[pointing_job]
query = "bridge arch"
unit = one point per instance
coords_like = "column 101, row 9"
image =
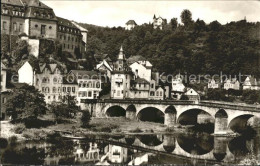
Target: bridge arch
column 170, row 116
column 190, row 116
column 151, row 114
column 239, row 124
column 115, row 111
column 130, row 112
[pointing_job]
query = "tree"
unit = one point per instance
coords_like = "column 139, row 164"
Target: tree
column 67, row 108
column 85, row 118
column 186, row 17
column 26, row 103
column 174, row 24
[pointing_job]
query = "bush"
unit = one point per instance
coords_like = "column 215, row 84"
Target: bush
column 137, row 130
column 107, row 128
column 19, row 129
column 3, row 143
column 85, row 118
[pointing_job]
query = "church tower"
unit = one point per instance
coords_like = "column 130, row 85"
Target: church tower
column 120, row 78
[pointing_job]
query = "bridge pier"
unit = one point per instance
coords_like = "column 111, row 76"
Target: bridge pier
column 221, row 123
column 130, row 115
column 170, row 119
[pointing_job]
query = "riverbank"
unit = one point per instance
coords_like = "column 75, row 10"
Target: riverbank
column 97, row 126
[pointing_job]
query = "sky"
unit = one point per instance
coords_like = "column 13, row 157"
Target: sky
column 117, row 13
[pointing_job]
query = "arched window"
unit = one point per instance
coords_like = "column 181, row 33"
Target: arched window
column 55, row 80
column 59, row 89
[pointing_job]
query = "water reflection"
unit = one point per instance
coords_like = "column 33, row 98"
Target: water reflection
column 196, row 145
column 141, row 149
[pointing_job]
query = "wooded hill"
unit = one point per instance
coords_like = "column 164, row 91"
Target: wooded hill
column 193, row 47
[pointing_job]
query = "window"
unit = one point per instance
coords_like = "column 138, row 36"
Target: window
column 54, row 97
column 64, row 89
column 69, row 38
column 68, row 46
column 122, row 92
column 3, row 100
column 157, row 93
column 69, row 89
column 161, row 93
column 55, row 80
column 4, row 25
column 89, row 94
column 98, row 85
column 43, row 29
column 151, row 93
column 64, row 37
column 152, row 85
column 43, row 89
column 15, row 27
column 59, row 90
column 73, row 89
column 36, row 26
column 50, row 27
column 21, row 28
column 54, row 90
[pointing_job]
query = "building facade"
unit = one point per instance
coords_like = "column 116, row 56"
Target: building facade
column 250, row 83
column 69, row 36
column 232, row 84
column 129, row 25
column 120, row 78
column 89, row 84
column 159, row 22
column 142, row 69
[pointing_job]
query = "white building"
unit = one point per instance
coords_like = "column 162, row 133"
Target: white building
column 142, row 69
column 178, row 88
column 140, row 89
column 214, row 84
column 120, row 78
column 105, row 68
column 231, row 84
column 84, row 33
column 129, row 25
column 159, row 22
column 192, row 94
column 89, row 84
column 250, row 83
column 26, row 73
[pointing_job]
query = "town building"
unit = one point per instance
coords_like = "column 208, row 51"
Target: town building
column 69, row 36
column 12, row 17
column 178, row 88
column 231, row 84
column 84, row 33
column 140, row 88
column 214, row 84
column 251, row 83
column 3, row 77
column 120, row 78
column 89, row 84
column 192, row 94
column 49, row 80
column 105, row 69
column 40, row 20
column 26, row 73
column 159, row 22
column 142, row 69
column 116, row 154
column 129, row 25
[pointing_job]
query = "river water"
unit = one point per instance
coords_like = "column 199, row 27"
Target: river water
column 181, row 149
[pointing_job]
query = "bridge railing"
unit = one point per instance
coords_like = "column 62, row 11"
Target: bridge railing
column 235, row 106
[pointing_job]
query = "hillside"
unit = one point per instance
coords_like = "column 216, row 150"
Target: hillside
column 198, row 48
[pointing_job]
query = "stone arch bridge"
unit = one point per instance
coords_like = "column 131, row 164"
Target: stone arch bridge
column 226, row 116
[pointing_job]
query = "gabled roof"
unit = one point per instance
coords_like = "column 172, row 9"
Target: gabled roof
column 141, row 81
column 131, row 22
column 12, row 2
column 35, row 3
column 135, row 58
column 66, row 22
column 80, row 27
column 105, row 64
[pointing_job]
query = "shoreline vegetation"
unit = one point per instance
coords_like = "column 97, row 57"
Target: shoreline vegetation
column 115, row 126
